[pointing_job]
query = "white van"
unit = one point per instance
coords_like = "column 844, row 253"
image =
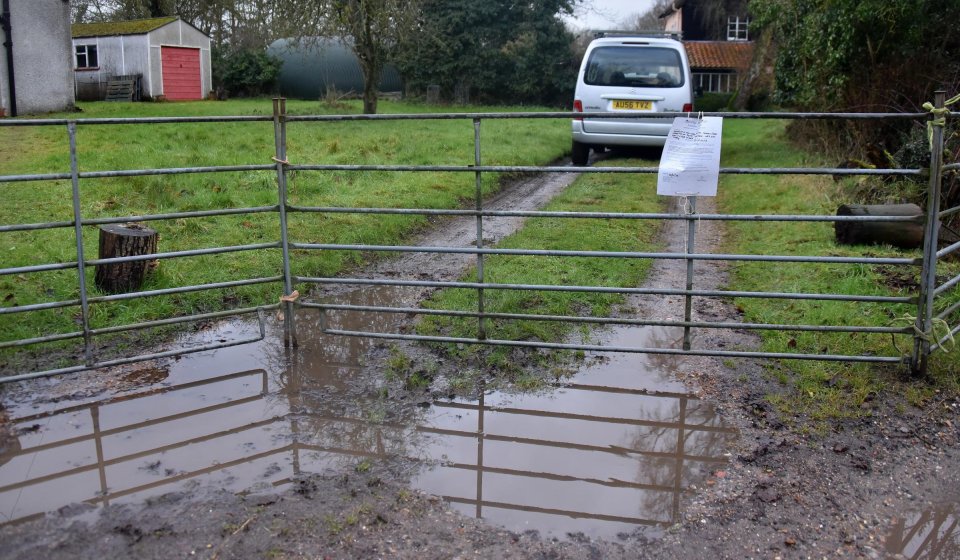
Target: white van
column 629, row 75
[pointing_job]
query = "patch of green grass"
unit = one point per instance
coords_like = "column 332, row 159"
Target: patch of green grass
column 414, row 375
column 105, row 147
column 398, row 364
column 333, row 525
column 418, row 380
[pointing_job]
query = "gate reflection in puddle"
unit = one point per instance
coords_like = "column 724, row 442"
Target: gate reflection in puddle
column 585, row 459
column 927, row 535
column 589, row 457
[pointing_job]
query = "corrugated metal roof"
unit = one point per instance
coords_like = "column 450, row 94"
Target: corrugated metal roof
column 130, row 27
column 733, row 55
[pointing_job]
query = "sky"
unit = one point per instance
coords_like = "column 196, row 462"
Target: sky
column 607, row 14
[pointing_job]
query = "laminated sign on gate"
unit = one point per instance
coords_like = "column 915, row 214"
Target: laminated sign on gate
column 690, row 165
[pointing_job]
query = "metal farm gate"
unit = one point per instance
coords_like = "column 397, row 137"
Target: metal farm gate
column 927, row 339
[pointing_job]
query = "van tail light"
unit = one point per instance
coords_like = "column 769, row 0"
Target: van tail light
column 578, row 108
column 687, row 107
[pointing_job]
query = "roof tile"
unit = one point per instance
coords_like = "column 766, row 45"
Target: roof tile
column 731, row 55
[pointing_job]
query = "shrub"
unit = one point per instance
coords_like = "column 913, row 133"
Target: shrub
column 245, row 72
column 710, row 102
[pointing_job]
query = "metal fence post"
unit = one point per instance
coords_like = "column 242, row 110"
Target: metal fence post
column 78, row 235
column 928, row 277
column 481, row 321
column 691, row 243
column 280, row 142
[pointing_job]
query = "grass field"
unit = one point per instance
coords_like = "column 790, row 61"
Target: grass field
column 108, row 147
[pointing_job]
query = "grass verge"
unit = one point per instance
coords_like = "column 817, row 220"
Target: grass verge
column 820, row 391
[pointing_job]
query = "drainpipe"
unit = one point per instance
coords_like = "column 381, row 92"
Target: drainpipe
column 8, row 43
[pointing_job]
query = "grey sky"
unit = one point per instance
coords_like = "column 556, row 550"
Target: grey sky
column 607, row 14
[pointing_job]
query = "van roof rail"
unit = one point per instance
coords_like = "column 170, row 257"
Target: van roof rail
column 642, row 33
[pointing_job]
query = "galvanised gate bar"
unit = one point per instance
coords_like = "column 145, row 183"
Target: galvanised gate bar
column 931, row 330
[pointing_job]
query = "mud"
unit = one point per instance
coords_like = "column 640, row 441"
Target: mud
column 259, row 451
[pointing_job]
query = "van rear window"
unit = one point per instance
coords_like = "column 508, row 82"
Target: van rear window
column 634, row 67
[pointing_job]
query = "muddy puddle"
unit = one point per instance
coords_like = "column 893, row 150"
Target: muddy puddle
column 932, row 533
column 610, row 451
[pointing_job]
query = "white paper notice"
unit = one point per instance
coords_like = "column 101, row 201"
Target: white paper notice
column 690, row 165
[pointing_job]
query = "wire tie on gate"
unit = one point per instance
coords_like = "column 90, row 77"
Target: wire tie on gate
column 939, row 116
column 282, row 161
column 290, row 298
column 949, row 335
column 686, row 207
column 927, row 336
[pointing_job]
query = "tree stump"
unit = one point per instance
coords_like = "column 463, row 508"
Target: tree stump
column 124, row 240
column 906, row 235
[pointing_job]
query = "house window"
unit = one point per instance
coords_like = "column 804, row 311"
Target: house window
column 87, row 57
column 738, row 28
column 715, row 82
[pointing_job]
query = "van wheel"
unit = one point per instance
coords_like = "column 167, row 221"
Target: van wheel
column 580, row 153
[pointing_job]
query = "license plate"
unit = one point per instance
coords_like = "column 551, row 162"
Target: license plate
column 625, row 105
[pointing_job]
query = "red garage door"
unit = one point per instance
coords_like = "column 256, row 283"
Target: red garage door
column 181, row 73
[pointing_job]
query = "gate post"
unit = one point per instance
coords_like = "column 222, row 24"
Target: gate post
column 78, row 235
column 481, row 322
column 280, row 143
column 691, row 212
column 923, row 331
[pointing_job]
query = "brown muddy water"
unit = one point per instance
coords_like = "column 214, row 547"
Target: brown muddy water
column 611, row 450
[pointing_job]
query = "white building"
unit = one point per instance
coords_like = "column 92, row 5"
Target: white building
column 171, row 57
column 35, row 69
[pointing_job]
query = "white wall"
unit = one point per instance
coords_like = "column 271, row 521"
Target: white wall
column 43, row 57
column 674, row 21
column 117, row 56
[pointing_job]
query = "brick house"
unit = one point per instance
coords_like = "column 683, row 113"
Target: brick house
column 716, row 35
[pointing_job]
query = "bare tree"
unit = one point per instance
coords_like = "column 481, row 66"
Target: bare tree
column 118, row 10
column 377, row 27
column 373, row 28
column 648, row 20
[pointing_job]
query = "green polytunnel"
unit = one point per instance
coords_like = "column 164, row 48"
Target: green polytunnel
column 314, row 65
